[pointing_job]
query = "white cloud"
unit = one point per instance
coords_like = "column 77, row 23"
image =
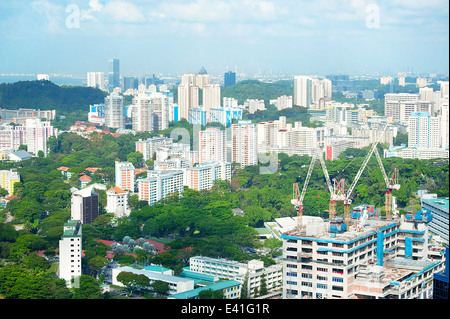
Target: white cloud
column 122, row 11
column 54, row 14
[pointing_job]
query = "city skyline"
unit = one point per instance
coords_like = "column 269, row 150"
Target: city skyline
column 303, row 37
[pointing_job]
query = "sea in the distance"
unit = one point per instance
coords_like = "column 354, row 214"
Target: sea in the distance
column 58, row 80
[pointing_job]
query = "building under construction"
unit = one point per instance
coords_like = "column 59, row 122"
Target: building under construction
column 360, row 255
column 365, row 258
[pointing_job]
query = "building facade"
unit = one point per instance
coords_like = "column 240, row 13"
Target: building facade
column 70, row 252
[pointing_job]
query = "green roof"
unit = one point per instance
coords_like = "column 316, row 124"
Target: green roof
column 217, row 286
column 156, row 268
column 197, row 276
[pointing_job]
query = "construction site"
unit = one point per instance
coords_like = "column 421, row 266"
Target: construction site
column 360, row 255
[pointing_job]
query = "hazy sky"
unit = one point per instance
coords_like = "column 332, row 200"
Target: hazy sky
column 180, row 36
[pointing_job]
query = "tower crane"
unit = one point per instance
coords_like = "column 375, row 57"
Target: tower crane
column 391, row 184
column 348, row 200
column 297, row 201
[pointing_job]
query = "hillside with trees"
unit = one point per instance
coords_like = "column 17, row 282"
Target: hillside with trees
column 46, row 95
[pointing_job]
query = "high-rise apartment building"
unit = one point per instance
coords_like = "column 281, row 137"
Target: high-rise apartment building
column 142, row 119
column 423, row 131
column 202, row 176
column 244, row 148
column 302, row 91
column 150, row 112
column 212, row 145
column 187, row 99
column 124, row 175
column 114, row 111
column 84, row 205
column 211, row 98
column 113, row 74
column 96, row 80
column 70, row 252
column 310, row 90
column 159, row 184
column 148, row 147
column 444, row 122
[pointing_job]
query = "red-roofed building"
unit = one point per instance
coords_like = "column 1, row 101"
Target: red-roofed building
column 84, row 180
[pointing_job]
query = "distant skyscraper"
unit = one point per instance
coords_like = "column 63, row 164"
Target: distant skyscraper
column 211, row 98
column 130, row 82
column 229, row 79
column 113, row 74
column 114, row 111
column 302, row 91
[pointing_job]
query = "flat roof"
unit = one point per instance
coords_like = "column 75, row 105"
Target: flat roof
column 152, row 275
column 217, row 286
column 440, row 201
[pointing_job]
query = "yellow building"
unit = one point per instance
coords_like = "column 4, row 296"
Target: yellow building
column 8, row 178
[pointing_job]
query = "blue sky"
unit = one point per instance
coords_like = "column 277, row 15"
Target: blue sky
column 180, row 36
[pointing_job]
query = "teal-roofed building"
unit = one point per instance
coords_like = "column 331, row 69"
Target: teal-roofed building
column 231, row 290
column 439, row 209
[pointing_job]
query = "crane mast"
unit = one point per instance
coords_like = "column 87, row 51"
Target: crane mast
column 297, row 201
column 348, row 200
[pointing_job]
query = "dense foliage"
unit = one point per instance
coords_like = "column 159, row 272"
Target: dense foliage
column 46, row 95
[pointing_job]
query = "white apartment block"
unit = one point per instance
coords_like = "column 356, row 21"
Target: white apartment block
column 282, row 102
column 70, row 252
column 310, row 90
column 384, row 80
column 114, row 111
column 160, row 184
column 253, row 105
column 421, row 81
column 234, row 270
column 229, row 102
column 149, row 146
column 142, row 119
column 96, row 80
column 444, row 89
column 187, row 99
column 211, row 98
column 419, row 153
column 444, row 122
column 244, row 147
column 302, row 91
column 322, row 262
column 176, row 150
column 124, row 178
column 212, row 145
column 117, row 202
column 423, row 131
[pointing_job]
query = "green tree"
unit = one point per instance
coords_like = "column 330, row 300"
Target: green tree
column 86, row 287
column 133, row 281
column 160, row 287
